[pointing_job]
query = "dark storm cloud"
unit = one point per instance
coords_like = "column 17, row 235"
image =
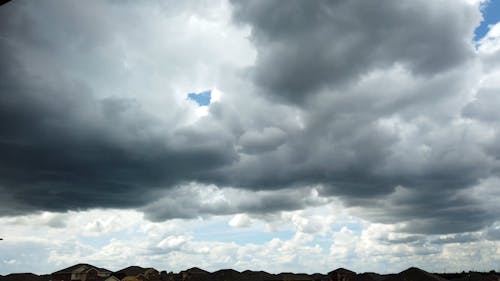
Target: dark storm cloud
column 305, row 45
column 255, row 142
column 63, row 148
column 428, row 211
column 370, row 91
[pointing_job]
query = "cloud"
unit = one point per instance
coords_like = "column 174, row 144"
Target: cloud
column 66, row 141
column 198, row 201
column 178, row 244
column 173, row 242
column 305, row 46
column 457, row 238
column 493, row 232
column 240, row 220
column 254, row 142
column 386, row 107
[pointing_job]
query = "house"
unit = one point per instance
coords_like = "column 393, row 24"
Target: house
column 22, row 277
column 139, row 277
column 287, row 276
column 137, row 273
column 170, row 276
column 342, row 274
column 112, row 278
column 478, row 276
column 413, row 273
column 195, row 274
column 152, row 274
column 369, row 276
column 225, row 275
column 319, row 277
column 81, row 272
column 249, row 275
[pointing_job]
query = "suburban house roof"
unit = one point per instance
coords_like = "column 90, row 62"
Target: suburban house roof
column 342, row 271
column 133, row 271
column 196, row 270
column 81, row 267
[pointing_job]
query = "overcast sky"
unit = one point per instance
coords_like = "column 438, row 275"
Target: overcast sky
column 270, row 135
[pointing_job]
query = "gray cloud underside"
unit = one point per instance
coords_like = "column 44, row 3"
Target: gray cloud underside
column 305, row 46
column 197, row 201
column 361, row 99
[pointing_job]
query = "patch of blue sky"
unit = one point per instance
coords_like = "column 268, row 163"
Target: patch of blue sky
column 17, row 257
column 242, row 236
column 222, row 232
column 325, row 242
column 491, row 15
column 351, row 226
column 202, row 98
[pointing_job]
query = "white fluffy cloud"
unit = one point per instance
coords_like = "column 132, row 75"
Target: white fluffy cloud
column 309, row 243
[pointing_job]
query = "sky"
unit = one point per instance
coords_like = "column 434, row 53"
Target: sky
column 268, row 135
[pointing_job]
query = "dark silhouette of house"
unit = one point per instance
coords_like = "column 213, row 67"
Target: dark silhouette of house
column 249, row 275
column 81, row 272
column 132, row 273
column 342, row 274
column 87, row 272
column 195, row 274
column 477, row 276
column 319, row 277
column 288, row 276
column 413, row 273
column 170, row 276
column 225, row 275
column 369, row 276
column 24, row 277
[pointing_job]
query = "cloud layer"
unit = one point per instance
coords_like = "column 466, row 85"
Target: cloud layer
column 311, row 240
column 303, row 47
column 389, row 108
